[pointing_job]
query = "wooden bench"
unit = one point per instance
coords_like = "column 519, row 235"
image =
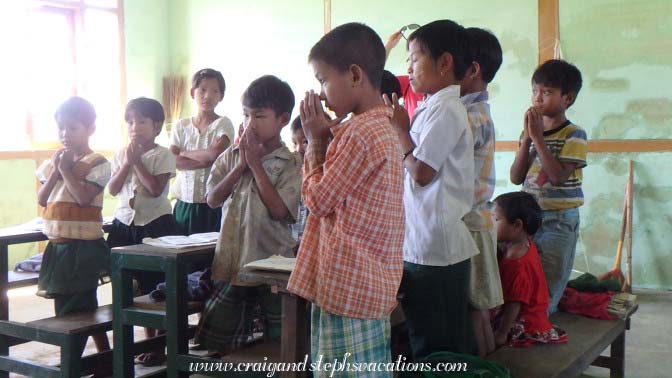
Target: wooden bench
column 70, row 333
column 588, row 338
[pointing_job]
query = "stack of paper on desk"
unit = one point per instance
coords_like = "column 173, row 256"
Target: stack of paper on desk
column 181, row 241
column 622, row 305
column 274, row 263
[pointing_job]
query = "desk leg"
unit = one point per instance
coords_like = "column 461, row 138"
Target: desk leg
column 617, row 355
column 122, row 296
column 295, row 337
column 177, row 341
column 4, row 301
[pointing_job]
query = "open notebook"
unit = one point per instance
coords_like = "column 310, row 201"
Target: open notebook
column 274, row 263
column 181, row 241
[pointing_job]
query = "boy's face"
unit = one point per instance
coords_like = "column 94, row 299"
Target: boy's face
column 141, row 129
column 72, row 133
column 264, row 123
column 299, row 141
column 207, row 94
column 550, row 100
column 423, row 72
column 335, row 87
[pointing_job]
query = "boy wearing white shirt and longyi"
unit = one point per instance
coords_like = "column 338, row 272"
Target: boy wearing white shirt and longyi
column 438, row 191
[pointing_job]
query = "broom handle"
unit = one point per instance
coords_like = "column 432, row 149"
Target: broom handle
column 628, row 260
column 619, row 249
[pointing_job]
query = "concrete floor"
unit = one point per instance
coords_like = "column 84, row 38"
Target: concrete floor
column 648, row 343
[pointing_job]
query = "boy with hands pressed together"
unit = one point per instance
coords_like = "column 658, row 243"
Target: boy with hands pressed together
column 549, row 162
column 349, row 262
column 258, row 184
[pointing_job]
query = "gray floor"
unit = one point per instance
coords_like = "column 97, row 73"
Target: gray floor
column 648, row 349
column 648, row 344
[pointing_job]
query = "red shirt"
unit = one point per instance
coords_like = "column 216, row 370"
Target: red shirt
column 523, row 281
column 411, row 98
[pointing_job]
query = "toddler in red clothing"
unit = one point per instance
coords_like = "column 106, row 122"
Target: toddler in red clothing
column 523, row 319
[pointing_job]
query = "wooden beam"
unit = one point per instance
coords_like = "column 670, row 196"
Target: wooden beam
column 608, row 145
column 327, row 16
column 122, row 58
column 549, row 28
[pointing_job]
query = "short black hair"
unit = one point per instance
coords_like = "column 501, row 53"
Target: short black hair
column 269, row 92
column 390, row 84
column 146, row 107
column 78, row 109
column 210, row 74
column 484, row 48
column 296, row 124
column 523, row 206
column 444, row 36
column 558, row 73
column 352, row 43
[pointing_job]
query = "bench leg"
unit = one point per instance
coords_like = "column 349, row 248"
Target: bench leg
column 71, row 356
column 4, row 301
column 617, row 356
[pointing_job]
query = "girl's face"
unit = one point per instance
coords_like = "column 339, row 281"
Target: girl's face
column 72, row 133
column 207, row 95
column 141, row 129
column 424, row 73
column 300, row 142
column 506, row 231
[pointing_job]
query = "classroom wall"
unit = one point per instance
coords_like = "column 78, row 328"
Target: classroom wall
column 622, row 48
column 627, row 73
column 245, row 40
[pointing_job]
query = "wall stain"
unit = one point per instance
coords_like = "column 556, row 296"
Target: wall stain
column 610, row 85
column 616, row 165
column 523, row 49
column 613, row 126
column 660, row 194
column 652, row 114
column 654, row 111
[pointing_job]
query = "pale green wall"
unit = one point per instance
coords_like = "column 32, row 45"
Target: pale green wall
column 148, row 58
column 245, row 40
column 18, row 201
column 623, row 50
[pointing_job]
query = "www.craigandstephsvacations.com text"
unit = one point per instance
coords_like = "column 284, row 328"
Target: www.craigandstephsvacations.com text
column 330, row 367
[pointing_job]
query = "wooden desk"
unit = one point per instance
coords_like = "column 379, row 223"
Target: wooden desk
column 176, row 264
column 295, row 337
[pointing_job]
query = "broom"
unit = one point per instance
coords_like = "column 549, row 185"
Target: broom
column 626, row 223
column 173, row 96
column 627, row 286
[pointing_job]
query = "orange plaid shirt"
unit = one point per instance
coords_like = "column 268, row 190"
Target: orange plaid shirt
column 350, row 259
